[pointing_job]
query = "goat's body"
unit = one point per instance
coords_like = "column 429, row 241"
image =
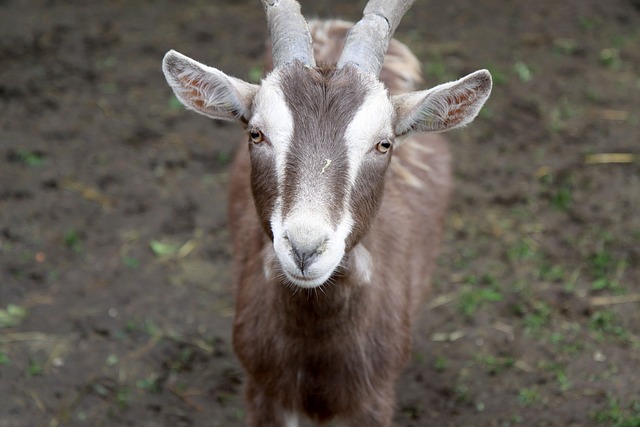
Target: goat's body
column 337, row 350
column 336, row 211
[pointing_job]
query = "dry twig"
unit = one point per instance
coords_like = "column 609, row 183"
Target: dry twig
column 614, row 299
column 603, row 158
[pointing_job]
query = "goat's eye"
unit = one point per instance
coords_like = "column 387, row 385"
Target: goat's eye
column 383, row 146
column 256, row 136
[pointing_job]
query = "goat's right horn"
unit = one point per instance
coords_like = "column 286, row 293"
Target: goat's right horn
column 369, row 38
column 290, row 34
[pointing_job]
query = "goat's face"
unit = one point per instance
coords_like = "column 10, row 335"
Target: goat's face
column 320, row 143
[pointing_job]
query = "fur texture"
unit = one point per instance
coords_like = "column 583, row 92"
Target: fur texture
column 336, row 211
column 335, row 352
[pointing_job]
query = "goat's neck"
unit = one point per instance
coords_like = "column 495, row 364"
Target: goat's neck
column 334, row 306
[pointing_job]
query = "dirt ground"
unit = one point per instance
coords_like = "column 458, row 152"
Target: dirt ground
column 115, row 296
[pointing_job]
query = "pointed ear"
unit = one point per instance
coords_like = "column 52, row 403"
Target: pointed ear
column 207, row 90
column 443, row 107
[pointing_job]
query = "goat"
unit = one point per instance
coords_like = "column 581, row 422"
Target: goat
column 336, row 208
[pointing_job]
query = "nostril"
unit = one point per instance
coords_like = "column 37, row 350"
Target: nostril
column 305, row 252
column 304, row 259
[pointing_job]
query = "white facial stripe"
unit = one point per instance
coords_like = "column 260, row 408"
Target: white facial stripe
column 371, row 123
column 272, row 116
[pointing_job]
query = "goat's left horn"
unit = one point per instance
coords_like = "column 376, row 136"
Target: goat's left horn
column 290, row 34
column 369, row 38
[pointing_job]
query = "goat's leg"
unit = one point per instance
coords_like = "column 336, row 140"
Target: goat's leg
column 264, row 411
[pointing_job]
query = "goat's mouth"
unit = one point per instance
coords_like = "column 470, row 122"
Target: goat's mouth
column 312, row 273
column 308, row 248
column 307, row 280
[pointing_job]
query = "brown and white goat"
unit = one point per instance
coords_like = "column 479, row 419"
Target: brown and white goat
column 336, row 208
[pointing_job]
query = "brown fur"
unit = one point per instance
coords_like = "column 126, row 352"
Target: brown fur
column 336, row 352
column 322, row 102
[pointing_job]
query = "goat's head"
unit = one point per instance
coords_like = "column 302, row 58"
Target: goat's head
column 321, row 139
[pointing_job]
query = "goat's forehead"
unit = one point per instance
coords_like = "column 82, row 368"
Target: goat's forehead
column 319, row 100
column 270, row 110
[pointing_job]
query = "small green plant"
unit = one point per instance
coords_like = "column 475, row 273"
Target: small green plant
column 107, row 62
column 561, row 113
column 4, row 359
column 565, row 46
column 604, row 322
column 11, row 316
column 563, row 197
column 240, row 415
column 461, row 394
column 522, row 70
column 72, row 240
column 34, row 368
column 440, row 364
column 100, row 389
column 223, row 157
column 529, row 396
column 560, row 189
column 131, row 327
column 610, row 57
column 122, row 398
column 255, row 74
column 150, row 383
column 612, row 413
column 109, row 88
column 560, row 374
column 419, row 357
column 111, row 360
column 472, row 299
column 174, row 103
column 495, row 365
column 436, row 67
column 593, row 95
column 463, row 257
column 631, row 417
column 162, row 249
column 517, row 419
column 563, row 380
column 538, row 318
column 524, row 249
column 632, row 421
column 182, row 360
column 588, row 23
column 130, row 261
column 30, row 158
column 551, row 273
column 151, row 328
column 604, row 267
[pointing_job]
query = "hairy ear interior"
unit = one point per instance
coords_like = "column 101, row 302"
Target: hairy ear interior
column 443, row 107
column 207, row 90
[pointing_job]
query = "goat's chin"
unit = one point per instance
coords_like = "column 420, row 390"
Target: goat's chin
column 307, row 281
column 316, row 275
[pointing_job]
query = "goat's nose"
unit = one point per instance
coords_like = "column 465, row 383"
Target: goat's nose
column 305, row 250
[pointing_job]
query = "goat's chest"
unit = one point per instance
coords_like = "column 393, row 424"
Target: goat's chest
column 322, row 361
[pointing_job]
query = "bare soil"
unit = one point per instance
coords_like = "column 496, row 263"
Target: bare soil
column 115, row 295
